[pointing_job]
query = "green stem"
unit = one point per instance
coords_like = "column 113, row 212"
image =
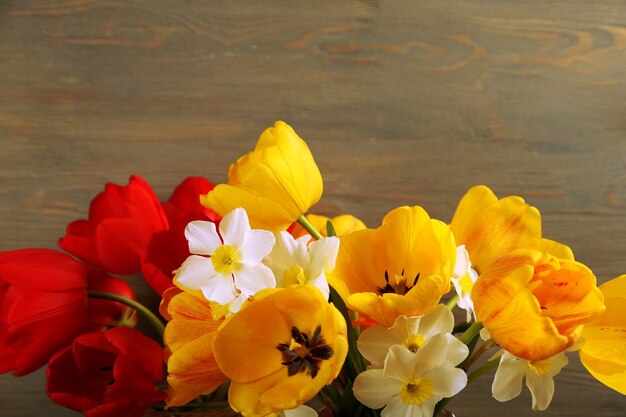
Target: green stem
column 471, row 333
column 472, row 376
column 452, row 302
column 156, row 323
column 309, row 227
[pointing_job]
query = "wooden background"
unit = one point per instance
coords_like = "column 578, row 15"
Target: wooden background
column 402, row 102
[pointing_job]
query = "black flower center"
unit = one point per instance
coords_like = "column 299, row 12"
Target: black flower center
column 399, row 286
column 304, row 353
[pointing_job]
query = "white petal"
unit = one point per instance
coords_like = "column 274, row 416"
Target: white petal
column 373, row 389
column 542, row 389
column 456, row 350
column 559, row 361
column 195, row 272
column 404, row 327
column 321, row 283
column 431, row 355
column 323, row 253
column 438, row 321
column 374, row 344
column 256, row 246
column 463, row 264
column 400, row 363
column 507, row 383
column 448, row 380
column 219, row 289
column 202, row 237
column 301, row 411
column 397, row 408
column 235, row 305
column 288, row 252
column 234, row 227
column 252, row 279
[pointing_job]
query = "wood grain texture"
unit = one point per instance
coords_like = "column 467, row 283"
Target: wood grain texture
column 402, row 102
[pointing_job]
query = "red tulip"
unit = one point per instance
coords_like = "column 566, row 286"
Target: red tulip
column 186, row 199
column 43, row 306
column 107, row 374
column 168, row 248
column 103, row 313
column 121, row 221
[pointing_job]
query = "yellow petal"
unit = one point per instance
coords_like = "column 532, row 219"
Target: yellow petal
column 556, row 249
column 192, row 369
column 604, row 350
column 533, row 305
column 276, row 182
column 247, row 349
column 491, row 228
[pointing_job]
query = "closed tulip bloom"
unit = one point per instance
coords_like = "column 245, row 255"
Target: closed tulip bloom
column 604, row 350
column 107, row 374
column 275, row 183
column 121, row 221
column 43, row 306
column 185, row 199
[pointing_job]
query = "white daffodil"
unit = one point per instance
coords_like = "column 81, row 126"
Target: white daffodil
column 226, row 267
column 295, row 263
column 463, row 279
column 411, row 384
column 300, row 411
column 412, row 333
column 507, row 383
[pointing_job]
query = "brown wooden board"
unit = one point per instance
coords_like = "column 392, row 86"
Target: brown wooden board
column 401, row 101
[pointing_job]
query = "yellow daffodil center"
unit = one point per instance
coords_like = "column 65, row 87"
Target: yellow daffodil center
column 466, row 284
column 540, row 367
column 417, row 391
column 413, row 342
column 294, row 276
column 225, row 259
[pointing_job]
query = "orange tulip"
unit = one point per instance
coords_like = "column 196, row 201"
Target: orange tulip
column 535, row 305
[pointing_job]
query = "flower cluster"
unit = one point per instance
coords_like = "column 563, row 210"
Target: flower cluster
column 268, row 306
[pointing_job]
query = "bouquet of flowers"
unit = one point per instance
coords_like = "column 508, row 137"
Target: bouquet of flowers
column 272, row 308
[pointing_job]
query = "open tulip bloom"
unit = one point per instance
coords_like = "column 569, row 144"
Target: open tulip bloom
column 275, row 311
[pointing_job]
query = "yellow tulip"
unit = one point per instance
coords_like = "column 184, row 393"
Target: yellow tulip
column 191, row 366
column 280, row 349
column 604, row 349
column 491, row 228
column 343, row 224
column 535, row 305
column 401, row 268
column 275, row 183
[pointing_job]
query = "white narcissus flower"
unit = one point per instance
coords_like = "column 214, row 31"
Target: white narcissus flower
column 507, row 383
column 463, row 279
column 300, row 411
column 412, row 333
column 411, row 384
column 295, row 263
column 226, row 267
